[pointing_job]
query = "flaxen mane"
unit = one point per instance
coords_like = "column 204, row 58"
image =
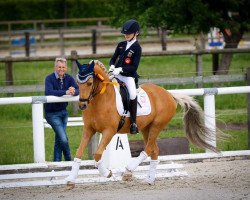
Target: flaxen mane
column 101, row 65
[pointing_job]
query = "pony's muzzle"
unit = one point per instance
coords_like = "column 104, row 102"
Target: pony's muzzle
column 83, row 105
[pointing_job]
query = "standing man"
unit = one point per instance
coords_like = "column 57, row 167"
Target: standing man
column 58, row 84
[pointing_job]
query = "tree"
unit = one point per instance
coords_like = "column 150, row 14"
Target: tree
column 232, row 17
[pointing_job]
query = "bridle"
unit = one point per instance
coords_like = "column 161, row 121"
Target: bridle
column 93, row 92
column 97, row 78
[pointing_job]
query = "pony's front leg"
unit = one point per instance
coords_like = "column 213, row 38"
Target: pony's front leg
column 106, row 137
column 71, row 179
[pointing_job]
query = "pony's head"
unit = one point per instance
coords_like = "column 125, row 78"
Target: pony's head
column 89, row 77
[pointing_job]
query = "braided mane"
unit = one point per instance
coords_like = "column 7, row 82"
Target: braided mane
column 102, row 66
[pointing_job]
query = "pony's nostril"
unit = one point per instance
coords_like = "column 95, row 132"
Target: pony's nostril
column 82, row 106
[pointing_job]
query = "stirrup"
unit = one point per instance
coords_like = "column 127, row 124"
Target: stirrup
column 133, row 128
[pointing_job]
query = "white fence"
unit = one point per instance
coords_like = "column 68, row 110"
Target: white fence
column 38, row 101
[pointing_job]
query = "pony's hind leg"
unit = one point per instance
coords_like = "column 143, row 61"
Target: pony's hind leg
column 128, row 174
column 152, row 150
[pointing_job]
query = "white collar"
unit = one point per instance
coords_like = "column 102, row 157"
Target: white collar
column 129, row 43
column 57, row 76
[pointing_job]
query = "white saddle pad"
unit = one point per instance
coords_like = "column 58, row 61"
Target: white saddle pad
column 143, row 103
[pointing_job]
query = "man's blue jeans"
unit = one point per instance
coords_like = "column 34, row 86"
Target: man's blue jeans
column 58, row 121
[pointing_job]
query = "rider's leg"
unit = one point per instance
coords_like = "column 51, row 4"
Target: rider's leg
column 133, row 111
column 133, row 104
column 130, row 83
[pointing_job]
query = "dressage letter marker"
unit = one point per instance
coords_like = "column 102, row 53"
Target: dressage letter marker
column 117, row 154
column 119, row 143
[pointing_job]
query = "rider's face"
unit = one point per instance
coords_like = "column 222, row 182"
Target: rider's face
column 129, row 37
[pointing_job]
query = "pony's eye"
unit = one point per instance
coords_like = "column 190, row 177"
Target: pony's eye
column 89, row 83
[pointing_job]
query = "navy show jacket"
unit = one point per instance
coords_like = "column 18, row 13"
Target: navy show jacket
column 128, row 59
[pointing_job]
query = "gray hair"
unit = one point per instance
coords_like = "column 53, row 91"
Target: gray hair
column 61, row 60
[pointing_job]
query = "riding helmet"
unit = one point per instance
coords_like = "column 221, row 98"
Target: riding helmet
column 130, row 26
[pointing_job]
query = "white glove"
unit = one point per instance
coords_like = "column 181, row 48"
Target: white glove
column 111, row 68
column 117, row 71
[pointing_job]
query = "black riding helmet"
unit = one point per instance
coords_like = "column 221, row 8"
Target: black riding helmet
column 130, row 26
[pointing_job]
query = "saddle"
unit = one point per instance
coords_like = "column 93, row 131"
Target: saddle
column 125, row 101
column 122, row 97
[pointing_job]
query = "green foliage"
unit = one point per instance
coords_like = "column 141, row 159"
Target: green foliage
column 13, row 10
column 185, row 15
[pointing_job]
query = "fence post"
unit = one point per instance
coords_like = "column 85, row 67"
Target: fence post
column 94, row 41
column 42, row 33
column 9, row 38
column 248, row 106
column 27, row 44
column 9, row 76
column 215, row 58
column 61, row 42
column 199, row 68
column 164, row 39
column 74, row 57
column 202, row 40
column 38, row 132
column 209, row 112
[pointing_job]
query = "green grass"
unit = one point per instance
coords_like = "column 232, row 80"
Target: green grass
column 17, row 142
column 16, row 139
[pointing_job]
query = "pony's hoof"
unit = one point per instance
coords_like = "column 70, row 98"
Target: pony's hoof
column 127, row 176
column 148, row 182
column 70, row 185
column 110, row 174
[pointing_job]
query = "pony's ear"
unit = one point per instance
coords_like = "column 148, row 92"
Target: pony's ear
column 80, row 66
column 91, row 65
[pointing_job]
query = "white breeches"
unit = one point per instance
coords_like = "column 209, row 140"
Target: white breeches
column 130, row 83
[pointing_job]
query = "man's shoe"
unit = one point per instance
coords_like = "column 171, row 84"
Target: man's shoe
column 133, row 128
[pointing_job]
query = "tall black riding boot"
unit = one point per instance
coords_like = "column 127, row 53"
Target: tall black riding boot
column 133, row 111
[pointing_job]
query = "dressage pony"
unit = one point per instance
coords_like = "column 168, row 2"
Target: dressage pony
column 97, row 100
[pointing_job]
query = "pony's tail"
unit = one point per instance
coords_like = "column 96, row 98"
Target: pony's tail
column 194, row 124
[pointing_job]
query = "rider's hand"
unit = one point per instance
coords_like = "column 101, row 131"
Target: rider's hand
column 117, row 71
column 111, row 68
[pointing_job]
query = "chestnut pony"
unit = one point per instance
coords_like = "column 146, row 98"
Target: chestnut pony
column 97, row 102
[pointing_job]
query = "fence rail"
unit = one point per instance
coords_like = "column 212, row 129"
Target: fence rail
column 8, row 61
column 43, row 38
column 75, row 56
column 98, row 20
column 158, row 81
